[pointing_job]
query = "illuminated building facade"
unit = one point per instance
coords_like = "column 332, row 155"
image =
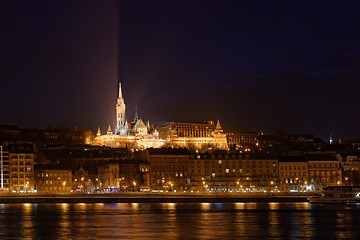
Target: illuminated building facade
column 351, row 168
column 324, row 170
column 133, row 135
column 50, row 179
column 168, row 168
column 5, row 178
column 293, row 174
column 21, row 166
column 108, row 177
column 241, row 140
column 199, row 136
column 222, row 172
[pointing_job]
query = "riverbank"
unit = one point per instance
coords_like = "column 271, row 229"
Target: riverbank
column 149, row 198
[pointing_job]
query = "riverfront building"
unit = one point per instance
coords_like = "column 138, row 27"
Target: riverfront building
column 51, row 179
column 294, row 174
column 5, row 169
column 222, row 172
column 168, row 168
column 109, row 177
column 21, row 167
column 324, row 170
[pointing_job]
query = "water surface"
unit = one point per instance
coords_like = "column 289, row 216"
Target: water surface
column 179, row 221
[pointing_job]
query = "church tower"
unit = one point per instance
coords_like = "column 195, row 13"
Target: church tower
column 120, row 114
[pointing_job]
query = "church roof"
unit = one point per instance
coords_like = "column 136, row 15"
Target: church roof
column 139, row 124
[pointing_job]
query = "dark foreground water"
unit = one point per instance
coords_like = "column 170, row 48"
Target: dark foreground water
column 179, row 221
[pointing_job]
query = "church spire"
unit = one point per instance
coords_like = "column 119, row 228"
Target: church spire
column 136, row 117
column 120, row 114
column 120, row 91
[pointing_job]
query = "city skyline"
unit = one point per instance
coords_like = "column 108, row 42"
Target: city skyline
column 253, row 66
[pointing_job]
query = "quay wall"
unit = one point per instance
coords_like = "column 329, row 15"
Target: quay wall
column 147, row 198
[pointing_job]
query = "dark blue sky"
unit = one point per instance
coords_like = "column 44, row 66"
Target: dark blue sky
column 254, row 65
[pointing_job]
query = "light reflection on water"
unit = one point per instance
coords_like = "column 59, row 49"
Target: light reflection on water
column 27, row 226
column 179, row 221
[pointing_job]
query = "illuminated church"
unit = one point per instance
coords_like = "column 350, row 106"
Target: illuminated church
column 138, row 135
column 133, row 135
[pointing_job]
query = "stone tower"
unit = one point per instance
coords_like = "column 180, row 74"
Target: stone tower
column 120, row 114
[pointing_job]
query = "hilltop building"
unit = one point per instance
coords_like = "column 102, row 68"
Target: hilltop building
column 134, row 135
column 200, row 136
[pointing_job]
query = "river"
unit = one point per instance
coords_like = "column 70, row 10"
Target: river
column 179, row 221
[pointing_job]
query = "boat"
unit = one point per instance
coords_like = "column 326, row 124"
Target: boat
column 337, row 194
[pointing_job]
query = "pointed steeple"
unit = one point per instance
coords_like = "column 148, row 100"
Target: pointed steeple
column 98, row 134
column 109, row 130
column 120, row 91
column 120, row 113
column 136, row 117
column 218, row 128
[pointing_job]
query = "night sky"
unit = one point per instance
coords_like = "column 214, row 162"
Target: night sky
column 293, row 65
